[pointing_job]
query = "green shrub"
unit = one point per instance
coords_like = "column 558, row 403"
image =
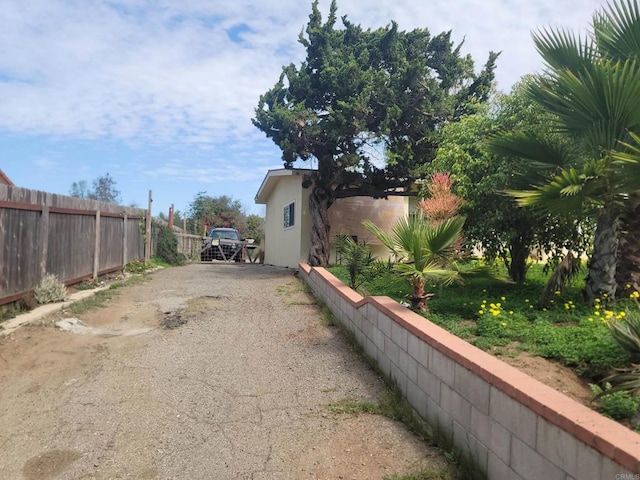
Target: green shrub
column 620, row 405
column 358, row 259
column 50, row 290
column 167, row 246
column 137, row 266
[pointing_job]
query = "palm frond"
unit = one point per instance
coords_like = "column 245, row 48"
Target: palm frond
column 440, row 239
column 617, row 30
column 430, row 272
column 542, row 152
column 598, row 104
column 629, row 162
column 562, row 49
column 381, row 235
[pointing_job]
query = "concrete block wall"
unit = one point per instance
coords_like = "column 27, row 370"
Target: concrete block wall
column 515, row 427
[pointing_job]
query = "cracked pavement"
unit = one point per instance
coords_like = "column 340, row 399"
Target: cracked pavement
column 238, row 391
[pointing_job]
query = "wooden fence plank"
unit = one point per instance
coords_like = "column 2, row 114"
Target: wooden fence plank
column 42, row 232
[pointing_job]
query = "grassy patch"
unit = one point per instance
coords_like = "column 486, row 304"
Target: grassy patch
column 425, row 474
column 498, row 316
column 12, row 310
column 99, row 299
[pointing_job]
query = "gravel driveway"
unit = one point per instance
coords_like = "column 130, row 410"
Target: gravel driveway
column 238, row 388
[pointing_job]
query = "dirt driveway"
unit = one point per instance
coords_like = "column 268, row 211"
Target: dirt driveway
column 239, row 389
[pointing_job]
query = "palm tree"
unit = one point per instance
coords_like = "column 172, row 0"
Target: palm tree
column 425, row 252
column 592, row 88
column 628, row 269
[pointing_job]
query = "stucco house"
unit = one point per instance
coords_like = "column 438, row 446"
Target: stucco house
column 287, row 224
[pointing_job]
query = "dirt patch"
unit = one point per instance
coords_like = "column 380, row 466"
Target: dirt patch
column 552, row 374
column 49, row 465
column 364, row 447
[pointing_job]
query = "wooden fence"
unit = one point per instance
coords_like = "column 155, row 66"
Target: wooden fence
column 190, row 245
column 70, row 237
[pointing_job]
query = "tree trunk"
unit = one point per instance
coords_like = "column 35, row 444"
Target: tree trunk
column 319, row 202
column 519, row 249
column 418, row 299
column 601, row 279
column 628, row 269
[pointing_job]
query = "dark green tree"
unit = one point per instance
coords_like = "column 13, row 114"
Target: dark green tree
column 166, row 244
column 361, row 91
column 495, row 222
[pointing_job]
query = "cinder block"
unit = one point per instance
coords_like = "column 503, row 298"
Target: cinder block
column 473, row 388
column 408, row 365
column 357, row 320
column 478, row 452
column 379, row 338
column 437, row 416
column 530, row 465
column 611, row 469
column 360, row 337
column 442, row 367
column 371, row 349
column 383, row 322
column 399, row 335
column 400, row 378
column 368, row 328
column 429, row 383
column 392, row 351
column 557, row 446
column 500, row 441
column 589, row 462
column 384, row 363
column 418, row 349
column 480, row 426
column 498, row 470
column 417, row 398
column 514, row 416
column 456, row 406
column 461, row 437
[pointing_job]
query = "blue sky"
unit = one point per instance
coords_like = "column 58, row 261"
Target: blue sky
column 160, row 93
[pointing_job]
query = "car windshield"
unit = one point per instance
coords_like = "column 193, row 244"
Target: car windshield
column 225, row 234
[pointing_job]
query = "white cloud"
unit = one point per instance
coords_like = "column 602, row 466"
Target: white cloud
column 167, row 71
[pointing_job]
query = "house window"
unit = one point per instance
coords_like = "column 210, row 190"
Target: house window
column 289, row 215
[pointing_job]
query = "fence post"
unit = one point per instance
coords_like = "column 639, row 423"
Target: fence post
column 184, row 237
column 44, row 235
column 147, row 248
column 96, row 255
column 124, row 240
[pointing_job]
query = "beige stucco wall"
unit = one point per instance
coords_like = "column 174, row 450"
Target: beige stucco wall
column 283, row 246
column 347, row 214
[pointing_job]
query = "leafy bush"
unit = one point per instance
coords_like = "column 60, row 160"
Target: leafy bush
column 167, row 246
column 619, row 405
column 358, row 259
column 137, row 266
column 50, row 290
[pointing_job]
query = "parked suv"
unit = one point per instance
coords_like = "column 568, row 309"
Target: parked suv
column 223, row 244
